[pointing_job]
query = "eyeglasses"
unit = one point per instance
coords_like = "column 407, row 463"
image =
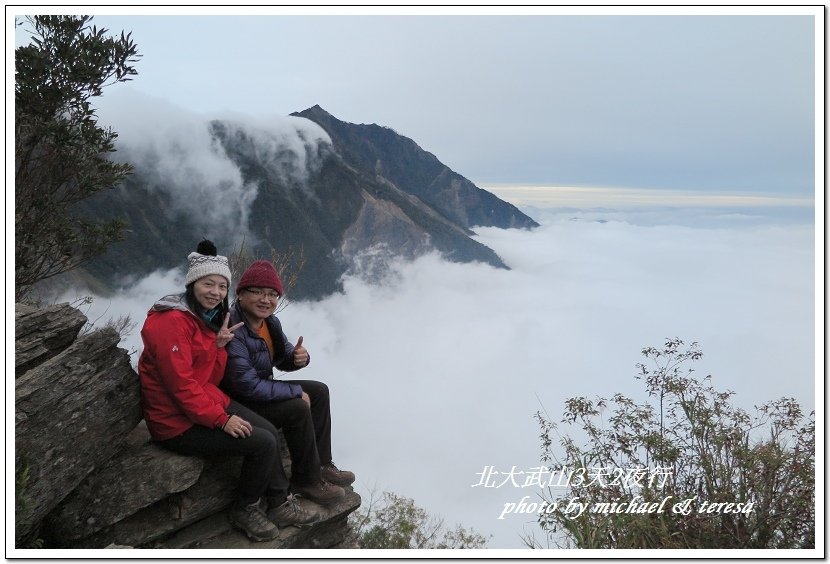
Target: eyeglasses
column 258, row 292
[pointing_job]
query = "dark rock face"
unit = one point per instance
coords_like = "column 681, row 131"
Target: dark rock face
column 120, row 488
column 369, row 187
column 33, row 344
column 72, row 412
column 88, row 475
column 211, row 494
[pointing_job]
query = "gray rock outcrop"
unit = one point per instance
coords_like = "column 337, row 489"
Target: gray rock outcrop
column 40, row 334
column 87, row 474
column 72, row 412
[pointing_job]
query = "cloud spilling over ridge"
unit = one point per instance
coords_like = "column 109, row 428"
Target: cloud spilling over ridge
column 177, row 152
column 437, row 371
column 288, row 147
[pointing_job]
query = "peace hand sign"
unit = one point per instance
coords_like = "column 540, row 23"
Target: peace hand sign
column 225, row 334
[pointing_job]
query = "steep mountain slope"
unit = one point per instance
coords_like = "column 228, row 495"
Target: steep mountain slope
column 327, row 191
column 379, row 150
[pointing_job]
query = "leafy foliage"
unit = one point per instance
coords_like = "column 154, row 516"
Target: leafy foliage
column 701, row 447
column 60, row 151
column 399, row 523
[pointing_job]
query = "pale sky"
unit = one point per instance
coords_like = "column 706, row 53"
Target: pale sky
column 686, row 102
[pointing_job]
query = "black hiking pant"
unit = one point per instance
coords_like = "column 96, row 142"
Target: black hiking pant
column 262, row 472
column 307, row 430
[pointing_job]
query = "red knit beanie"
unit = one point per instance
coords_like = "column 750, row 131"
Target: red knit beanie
column 261, row 274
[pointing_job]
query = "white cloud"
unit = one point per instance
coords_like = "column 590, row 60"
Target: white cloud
column 173, row 149
column 177, row 154
column 436, row 374
column 286, row 146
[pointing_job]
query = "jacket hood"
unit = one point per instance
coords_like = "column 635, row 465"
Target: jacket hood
column 171, row 301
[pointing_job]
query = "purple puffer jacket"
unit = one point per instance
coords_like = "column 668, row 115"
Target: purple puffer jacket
column 249, row 369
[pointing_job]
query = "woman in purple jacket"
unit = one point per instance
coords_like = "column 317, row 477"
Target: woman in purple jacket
column 299, row 407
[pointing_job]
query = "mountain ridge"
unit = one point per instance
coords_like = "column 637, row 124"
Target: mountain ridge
column 325, row 201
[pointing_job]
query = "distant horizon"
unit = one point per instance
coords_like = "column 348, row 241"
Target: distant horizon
column 600, row 196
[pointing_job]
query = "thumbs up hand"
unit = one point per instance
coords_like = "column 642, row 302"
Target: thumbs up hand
column 300, row 354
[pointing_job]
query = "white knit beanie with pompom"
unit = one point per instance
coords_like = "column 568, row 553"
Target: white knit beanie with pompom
column 205, row 262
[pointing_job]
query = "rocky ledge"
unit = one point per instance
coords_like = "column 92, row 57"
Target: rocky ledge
column 87, row 474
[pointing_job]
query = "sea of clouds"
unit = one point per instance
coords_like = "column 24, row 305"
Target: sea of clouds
column 437, row 371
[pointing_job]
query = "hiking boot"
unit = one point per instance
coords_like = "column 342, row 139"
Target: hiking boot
column 333, row 474
column 322, row 492
column 253, row 522
column 290, row 513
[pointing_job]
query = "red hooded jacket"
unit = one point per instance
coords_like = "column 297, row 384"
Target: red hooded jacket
column 180, row 369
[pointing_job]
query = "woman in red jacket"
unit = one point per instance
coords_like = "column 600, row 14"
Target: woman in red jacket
column 180, row 368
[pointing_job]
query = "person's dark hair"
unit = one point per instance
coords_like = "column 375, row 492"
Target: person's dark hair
column 193, row 304
column 206, row 247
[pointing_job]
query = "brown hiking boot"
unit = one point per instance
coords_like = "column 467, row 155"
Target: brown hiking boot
column 333, row 474
column 322, row 492
column 253, row 522
column 290, row 513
